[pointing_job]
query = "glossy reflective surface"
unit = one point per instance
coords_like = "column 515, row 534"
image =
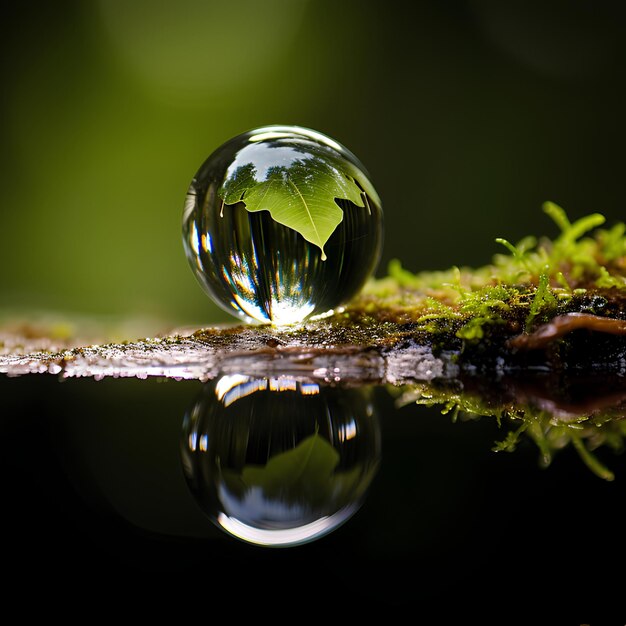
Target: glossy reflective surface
column 258, row 268
column 279, row 462
column 99, row 479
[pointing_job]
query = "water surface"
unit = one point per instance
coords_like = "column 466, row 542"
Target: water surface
column 97, row 476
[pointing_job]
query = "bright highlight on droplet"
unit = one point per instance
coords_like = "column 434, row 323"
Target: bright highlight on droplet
column 284, row 537
column 282, row 224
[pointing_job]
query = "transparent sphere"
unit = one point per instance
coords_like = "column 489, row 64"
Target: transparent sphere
column 281, row 224
column 277, row 462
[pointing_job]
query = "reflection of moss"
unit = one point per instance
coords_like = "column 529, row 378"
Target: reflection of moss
column 551, row 423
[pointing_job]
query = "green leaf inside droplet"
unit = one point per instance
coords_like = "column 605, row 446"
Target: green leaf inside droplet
column 300, row 195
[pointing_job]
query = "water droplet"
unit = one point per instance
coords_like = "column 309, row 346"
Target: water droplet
column 282, row 224
column 280, row 462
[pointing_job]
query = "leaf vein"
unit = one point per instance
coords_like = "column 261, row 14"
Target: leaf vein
column 306, row 207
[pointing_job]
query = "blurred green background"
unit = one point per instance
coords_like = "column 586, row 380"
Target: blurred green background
column 468, row 114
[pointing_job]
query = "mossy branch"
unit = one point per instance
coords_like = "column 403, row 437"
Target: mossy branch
column 546, row 295
column 506, row 340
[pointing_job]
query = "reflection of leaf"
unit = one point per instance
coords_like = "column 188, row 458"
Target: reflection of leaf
column 304, row 474
column 307, row 467
column 304, row 477
column 301, row 196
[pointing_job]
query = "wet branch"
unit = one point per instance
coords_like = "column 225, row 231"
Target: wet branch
column 351, row 347
column 328, row 350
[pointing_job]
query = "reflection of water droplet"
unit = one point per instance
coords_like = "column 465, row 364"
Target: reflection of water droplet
column 260, row 269
column 279, row 462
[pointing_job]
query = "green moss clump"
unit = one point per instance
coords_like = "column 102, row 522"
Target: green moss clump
column 534, row 280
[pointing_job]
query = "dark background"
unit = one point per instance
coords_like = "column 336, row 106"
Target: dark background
column 468, row 115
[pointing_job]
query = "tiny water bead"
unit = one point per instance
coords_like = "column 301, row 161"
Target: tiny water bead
column 281, row 224
column 279, row 461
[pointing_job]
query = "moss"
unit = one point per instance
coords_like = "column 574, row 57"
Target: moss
column 535, row 280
